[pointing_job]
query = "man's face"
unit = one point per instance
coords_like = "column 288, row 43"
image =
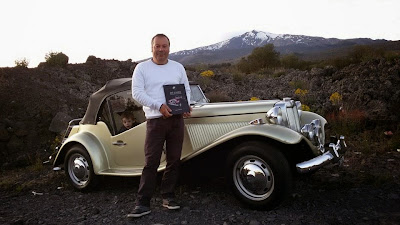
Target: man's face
column 127, row 123
column 160, row 50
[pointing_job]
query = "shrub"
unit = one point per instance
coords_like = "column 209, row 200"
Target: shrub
column 347, row 122
column 336, row 99
column 22, row 63
column 244, row 66
column 305, row 107
column 254, row 99
column 56, row 59
column 207, row 73
column 360, row 53
column 277, row 74
column 296, row 84
column 300, row 92
column 291, row 61
column 261, row 58
column 237, row 78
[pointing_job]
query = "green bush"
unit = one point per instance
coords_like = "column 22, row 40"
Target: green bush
column 298, row 84
column 261, row 58
column 21, row 63
column 56, row 59
column 293, row 61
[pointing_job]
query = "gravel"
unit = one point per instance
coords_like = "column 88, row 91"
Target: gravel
column 356, row 193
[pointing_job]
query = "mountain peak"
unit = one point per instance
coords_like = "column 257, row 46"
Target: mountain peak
column 261, row 35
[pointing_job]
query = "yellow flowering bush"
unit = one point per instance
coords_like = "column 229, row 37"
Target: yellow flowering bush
column 254, row 99
column 300, row 92
column 335, row 98
column 207, row 73
column 305, row 107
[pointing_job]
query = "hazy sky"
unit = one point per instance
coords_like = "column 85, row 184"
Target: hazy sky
column 122, row 29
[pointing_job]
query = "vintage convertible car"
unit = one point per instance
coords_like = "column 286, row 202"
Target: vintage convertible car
column 262, row 142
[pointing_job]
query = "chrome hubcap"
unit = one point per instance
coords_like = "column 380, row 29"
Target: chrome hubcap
column 253, row 178
column 78, row 169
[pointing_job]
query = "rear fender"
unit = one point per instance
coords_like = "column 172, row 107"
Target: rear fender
column 92, row 146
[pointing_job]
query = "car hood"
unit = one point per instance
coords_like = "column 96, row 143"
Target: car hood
column 232, row 108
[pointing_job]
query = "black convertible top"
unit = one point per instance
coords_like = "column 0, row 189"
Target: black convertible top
column 95, row 100
column 111, row 87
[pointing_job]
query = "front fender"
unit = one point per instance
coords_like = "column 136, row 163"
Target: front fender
column 275, row 132
column 307, row 117
column 92, row 145
column 279, row 133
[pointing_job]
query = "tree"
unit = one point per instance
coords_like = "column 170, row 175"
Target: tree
column 261, row 58
column 56, row 59
column 290, row 61
column 264, row 57
column 361, row 53
column 22, row 63
column 243, row 65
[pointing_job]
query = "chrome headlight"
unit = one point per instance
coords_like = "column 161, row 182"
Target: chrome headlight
column 274, row 115
column 313, row 131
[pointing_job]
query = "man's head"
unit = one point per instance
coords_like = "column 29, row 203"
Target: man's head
column 160, row 48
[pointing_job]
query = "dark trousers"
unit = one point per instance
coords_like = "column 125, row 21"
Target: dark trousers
column 171, row 132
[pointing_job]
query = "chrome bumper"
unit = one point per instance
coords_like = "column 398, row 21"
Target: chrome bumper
column 331, row 156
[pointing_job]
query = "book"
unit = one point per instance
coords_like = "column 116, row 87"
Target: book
column 175, row 96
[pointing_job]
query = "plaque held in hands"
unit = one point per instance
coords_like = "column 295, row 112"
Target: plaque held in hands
column 175, row 96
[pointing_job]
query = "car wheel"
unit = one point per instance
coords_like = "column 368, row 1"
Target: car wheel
column 259, row 175
column 79, row 168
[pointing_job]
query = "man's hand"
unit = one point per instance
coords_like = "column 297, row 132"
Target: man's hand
column 165, row 111
column 188, row 114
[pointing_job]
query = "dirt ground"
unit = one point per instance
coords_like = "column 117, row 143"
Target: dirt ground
column 365, row 190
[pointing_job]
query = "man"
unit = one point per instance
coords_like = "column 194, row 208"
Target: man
column 147, row 88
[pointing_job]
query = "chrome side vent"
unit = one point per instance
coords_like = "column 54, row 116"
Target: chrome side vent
column 202, row 135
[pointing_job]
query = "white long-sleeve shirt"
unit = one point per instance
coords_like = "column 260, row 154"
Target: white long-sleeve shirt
column 147, row 84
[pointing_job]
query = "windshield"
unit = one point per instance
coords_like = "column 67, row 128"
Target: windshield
column 197, row 95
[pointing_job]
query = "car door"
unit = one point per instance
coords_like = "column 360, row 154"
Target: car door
column 127, row 145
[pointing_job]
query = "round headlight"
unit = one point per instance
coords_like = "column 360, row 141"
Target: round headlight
column 313, row 131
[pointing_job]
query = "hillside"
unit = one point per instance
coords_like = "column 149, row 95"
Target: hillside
column 36, row 104
column 31, row 98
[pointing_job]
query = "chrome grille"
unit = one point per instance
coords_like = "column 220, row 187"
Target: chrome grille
column 293, row 118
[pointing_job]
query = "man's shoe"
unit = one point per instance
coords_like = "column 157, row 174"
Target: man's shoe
column 170, row 204
column 139, row 211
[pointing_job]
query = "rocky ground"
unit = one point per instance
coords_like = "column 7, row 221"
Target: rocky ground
column 365, row 190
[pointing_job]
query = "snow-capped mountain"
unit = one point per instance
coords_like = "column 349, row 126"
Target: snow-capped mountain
column 242, row 45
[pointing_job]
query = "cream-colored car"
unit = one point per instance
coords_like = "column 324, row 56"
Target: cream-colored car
column 262, row 143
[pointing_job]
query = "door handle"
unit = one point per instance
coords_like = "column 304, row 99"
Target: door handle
column 119, row 143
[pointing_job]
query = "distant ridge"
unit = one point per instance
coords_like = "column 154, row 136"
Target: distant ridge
column 239, row 46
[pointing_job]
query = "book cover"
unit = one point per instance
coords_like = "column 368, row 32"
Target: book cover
column 175, row 96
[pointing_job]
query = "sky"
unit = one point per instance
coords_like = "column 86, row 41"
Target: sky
column 122, row 29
